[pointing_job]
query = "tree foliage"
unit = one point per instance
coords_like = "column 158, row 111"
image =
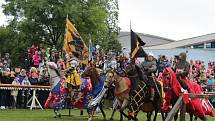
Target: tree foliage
column 43, row 21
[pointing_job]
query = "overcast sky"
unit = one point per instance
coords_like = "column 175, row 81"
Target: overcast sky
column 174, row 19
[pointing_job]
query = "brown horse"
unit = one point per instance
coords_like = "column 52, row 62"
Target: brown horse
column 139, row 101
column 97, row 82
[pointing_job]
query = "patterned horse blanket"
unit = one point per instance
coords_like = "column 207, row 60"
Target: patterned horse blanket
column 137, row 99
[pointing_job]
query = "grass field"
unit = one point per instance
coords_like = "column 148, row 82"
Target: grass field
column 47, row 115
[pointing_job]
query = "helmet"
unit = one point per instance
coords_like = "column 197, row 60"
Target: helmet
column 73, row 62
column 151, row 54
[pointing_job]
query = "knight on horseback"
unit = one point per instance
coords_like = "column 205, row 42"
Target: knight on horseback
column 149, row 67
column 182, row 69
column 73, row 78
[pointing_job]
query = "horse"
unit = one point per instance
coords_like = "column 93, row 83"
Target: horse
column 58, row 90
column 98, row 90
column 78, row 95
column 139, row 101
column 173, row 90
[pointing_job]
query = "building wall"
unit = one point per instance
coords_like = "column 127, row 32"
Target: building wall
column 205, row 55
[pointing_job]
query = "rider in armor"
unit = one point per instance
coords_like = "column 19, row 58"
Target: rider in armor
column 149, row 68
column 182, row 70
column 73, row 77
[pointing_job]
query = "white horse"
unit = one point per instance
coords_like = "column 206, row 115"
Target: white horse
column 58, row 90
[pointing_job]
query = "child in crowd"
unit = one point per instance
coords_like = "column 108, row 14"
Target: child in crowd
column 14, row 93
column 25, row 82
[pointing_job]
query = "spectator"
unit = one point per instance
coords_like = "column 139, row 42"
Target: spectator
column 21, row 75
column 33, row 76
column 36, row 59
column 210, row 83
column 25, row 93
column 25, row 82
column 32, row 50
column 4, row 93
column 8, row 60
column 14, row 93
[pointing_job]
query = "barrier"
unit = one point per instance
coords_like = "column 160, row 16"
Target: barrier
column 180, row 105
column 33, row 100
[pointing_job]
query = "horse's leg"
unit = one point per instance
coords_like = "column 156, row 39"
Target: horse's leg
column 148, row 115
column 113, row 112
column 176, row 116
column 81, row 112
column 115, row 106
column 155, row 116
column 163, row 116
column 121, row 116
column 196, row 118
column 123, row 107
column 135, row 117
column 90, row 111
column 166, row 114
column 101, row 108
column 191, row 116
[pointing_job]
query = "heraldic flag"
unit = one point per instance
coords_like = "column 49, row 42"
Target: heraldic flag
column 73, row 43
column 136, row 43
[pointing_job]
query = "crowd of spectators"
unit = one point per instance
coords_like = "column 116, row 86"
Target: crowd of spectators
column 37, row 56
column 28, row 75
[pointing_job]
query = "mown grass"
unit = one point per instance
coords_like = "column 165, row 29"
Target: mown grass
column 47, row 115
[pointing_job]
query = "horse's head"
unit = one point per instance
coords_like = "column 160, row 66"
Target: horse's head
column 109, row 77
column 113, row 74
column 131, row 70
column 166, row 77
column 53, row 70
column 43, row 73
column 93, row 74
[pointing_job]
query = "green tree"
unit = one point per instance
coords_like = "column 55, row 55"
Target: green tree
column 43, row 21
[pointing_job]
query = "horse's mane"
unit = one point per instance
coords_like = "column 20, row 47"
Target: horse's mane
column 94, row 75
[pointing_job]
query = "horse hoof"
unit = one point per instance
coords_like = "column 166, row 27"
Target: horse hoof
column 89, row 119
column 59, row 115
column 54, row 116
column 111, row 119
column 81, row 113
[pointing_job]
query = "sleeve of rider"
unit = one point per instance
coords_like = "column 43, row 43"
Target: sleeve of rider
column 153, row 68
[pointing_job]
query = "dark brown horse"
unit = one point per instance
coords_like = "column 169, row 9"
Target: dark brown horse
column 139, row 100
column 97, row 82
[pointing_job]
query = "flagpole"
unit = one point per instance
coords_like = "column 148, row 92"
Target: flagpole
column 130, row 24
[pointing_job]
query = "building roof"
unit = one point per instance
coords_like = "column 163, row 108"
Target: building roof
column 150, row 40
column 185, row 42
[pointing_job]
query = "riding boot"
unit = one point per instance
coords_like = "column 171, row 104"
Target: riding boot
column 152, row 94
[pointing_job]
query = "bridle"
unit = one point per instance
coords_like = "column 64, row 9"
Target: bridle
column 112, row 79
column 57, row 72
column 167, row 77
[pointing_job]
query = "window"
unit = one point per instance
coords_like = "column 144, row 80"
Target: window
column 208, row 45
column 198, row 46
